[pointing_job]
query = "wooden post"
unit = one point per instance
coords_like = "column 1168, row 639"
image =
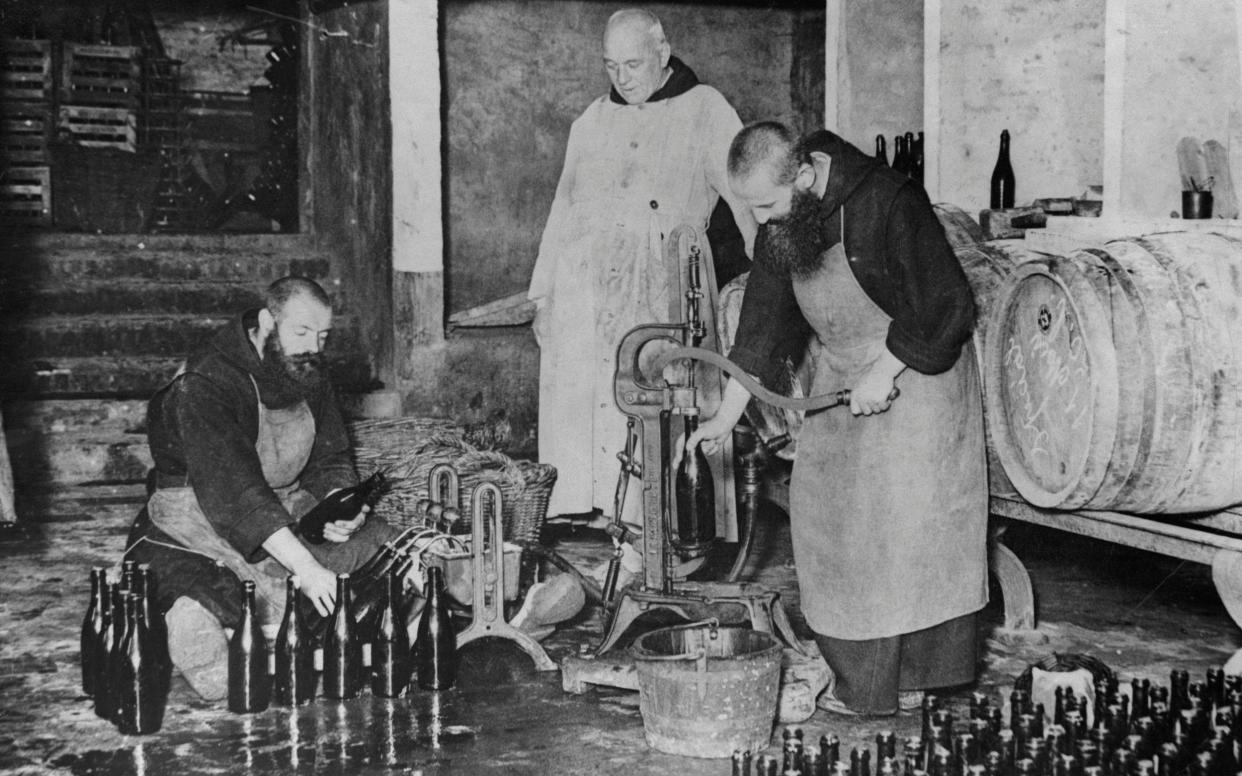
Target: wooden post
column 8, row 513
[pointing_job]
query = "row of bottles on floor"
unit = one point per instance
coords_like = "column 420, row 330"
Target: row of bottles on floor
column 1184, row 728
column 126, row 668
column 374, row 649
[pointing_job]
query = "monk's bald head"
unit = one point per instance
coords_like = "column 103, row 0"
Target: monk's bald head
column 638, row 22
column 636, row 54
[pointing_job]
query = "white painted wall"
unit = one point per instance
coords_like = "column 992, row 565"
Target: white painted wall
column 1034, row 67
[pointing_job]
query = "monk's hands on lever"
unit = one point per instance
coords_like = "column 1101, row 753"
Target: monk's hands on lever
column 873, row 393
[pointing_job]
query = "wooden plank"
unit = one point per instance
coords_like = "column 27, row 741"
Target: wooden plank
column 1142, row 533
column 512, row 310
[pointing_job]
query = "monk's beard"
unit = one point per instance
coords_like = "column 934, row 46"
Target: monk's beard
column 301, row 371
column 796, row 243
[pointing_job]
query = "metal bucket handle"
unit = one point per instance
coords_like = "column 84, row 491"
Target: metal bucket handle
column 699, row 657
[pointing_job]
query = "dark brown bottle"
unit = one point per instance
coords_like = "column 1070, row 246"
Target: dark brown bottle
column 391, row 659
column 342, row 651
column 369, row 604
column 92, row 626
column 102, row 645
column 899, row 154
column 295, row 680
column 344, row 504
column 696, row 497
column 916, row 155
column 881, row 149
column 139, row 683
column 1002, row 176
column 249, row 685
column 435, row 645
column 106, row 691
column 144, row 586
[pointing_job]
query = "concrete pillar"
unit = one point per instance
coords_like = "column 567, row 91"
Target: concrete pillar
column 417, row 206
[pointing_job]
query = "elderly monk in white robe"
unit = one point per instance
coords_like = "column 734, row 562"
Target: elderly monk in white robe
column 646, row 158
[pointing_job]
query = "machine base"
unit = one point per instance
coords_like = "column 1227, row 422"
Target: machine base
column 701, row 600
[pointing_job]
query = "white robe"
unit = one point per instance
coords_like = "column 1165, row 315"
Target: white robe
column 632, row 174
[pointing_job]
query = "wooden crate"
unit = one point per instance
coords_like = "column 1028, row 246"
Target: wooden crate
column 95, row 127
column 26, row 196
column 25, row 132
column 101, row 75
column 25, row 70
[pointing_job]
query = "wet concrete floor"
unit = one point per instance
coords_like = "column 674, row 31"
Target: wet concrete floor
column 1140, row 613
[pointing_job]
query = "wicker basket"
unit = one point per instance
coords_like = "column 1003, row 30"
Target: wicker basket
column 408, row 449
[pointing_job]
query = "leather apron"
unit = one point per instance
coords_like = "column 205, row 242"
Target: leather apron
column 286, row 437
column 888, row 512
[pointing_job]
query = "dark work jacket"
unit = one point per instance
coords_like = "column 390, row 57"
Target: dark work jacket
column 203, row 427
column 898, row 253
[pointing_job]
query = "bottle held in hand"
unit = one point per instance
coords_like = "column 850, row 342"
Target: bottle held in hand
column 342, row 505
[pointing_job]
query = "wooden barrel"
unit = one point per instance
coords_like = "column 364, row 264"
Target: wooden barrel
column 1113, row 376
column 959, row 227
column 988, row 265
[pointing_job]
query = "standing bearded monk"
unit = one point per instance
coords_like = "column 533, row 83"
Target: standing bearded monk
column 888, row 501
column 641, row 161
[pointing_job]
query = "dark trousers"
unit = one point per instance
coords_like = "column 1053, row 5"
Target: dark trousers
column 870, row 673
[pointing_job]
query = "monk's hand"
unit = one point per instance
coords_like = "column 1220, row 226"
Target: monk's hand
column 711, row 434
column 341, row 530
column 319, row 585
column 872, row 394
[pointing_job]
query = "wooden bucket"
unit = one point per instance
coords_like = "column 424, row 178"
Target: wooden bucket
column 988, row 265
column 1113, row 376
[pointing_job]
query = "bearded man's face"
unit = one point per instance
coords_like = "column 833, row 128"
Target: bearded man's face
column 795, row 242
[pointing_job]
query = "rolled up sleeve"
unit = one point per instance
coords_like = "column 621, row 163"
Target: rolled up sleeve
column 935, row 309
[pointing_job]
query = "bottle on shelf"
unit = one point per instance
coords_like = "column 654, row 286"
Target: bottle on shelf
column 881, row 149
column 1002, row 177
column 342, row 651
column 249, row 685
column 295, row 680
column 435, row 645
column 344, row 504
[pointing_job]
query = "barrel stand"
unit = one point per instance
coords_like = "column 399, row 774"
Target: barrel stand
column 1213, row 539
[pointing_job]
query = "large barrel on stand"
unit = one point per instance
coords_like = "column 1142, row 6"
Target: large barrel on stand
column 988, row 265
column 1113, row 376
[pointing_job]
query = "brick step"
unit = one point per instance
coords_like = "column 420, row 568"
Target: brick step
column 55, row 416
column 113, row 260
column 135, row 376
column 125, row 297
column 57, row 336
column 77, row 457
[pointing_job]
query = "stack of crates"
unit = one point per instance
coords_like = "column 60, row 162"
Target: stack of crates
column 100, row 94
column 25, row 131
